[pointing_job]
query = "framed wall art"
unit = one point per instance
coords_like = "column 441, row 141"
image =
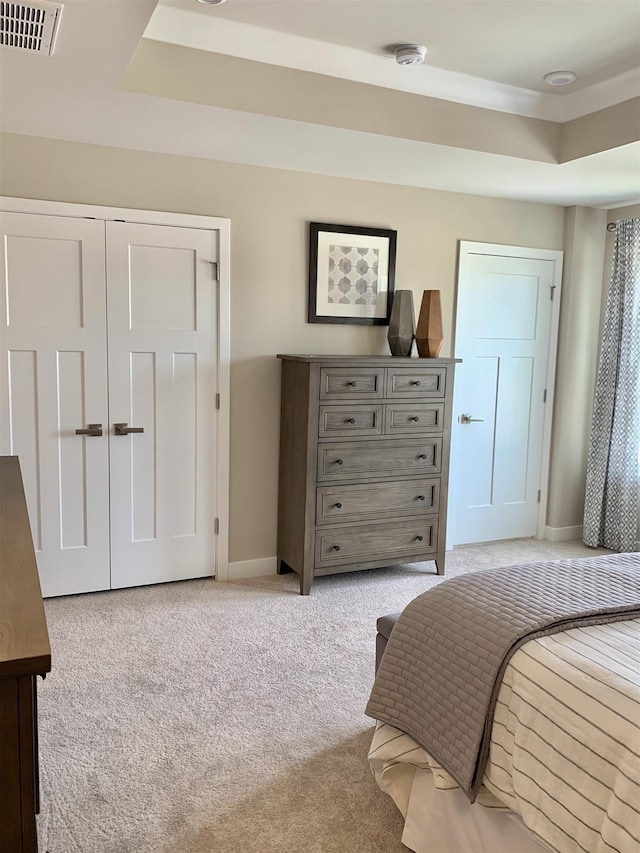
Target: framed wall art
column 351, row 274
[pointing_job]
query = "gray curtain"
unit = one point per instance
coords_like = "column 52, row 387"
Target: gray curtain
column 611, row 500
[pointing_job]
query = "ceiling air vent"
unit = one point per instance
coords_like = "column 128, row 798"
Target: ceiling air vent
column 29, row 27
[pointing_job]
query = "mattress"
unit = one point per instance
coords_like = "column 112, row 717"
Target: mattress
column 564, row 754
column 442, row 667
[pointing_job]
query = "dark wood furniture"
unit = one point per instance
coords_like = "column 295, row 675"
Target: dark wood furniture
column 24, row 654
column 364, row 459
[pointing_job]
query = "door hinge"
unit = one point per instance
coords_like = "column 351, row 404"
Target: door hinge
column 544, row 396
column 539, row 495
column 215, row 270
column 217, row 401
column 553, row 290
column 216, row 526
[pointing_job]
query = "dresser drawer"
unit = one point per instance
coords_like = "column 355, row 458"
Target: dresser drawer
column 364, row 502
column 390, row 541
column 351, row 383
column 424, row 382
column 349, row 420
column 413, row 417
column 382, row 458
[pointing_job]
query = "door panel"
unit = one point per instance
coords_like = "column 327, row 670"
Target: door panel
column 73, row 469
column 162, row 360
column 20, row 432
column 53, row 380
column 503, row 328
column 185, row 445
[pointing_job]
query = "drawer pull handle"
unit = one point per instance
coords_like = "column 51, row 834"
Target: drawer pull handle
column 415, row 382
column 335, row 548
column 419, row 538
column 338, row 505
column 339, row 461
column 421, row 497
column 351, row 384
column 351, row 420
column 422, row 456
column 415, row 419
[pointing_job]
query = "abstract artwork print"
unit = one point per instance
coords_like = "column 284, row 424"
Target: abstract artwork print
column 353, row 275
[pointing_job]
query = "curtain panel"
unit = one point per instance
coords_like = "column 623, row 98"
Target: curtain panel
column 611, row 499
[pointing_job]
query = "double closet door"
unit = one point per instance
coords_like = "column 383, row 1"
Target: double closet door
column 107, row 396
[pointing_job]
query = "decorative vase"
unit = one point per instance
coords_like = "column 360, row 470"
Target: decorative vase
column 429, row 335
column 401, row 323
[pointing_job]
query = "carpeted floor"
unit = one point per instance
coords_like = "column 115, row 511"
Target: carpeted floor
column 226, row 718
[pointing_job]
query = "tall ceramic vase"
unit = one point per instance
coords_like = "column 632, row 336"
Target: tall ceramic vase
column 429, row 335
column 401, row 323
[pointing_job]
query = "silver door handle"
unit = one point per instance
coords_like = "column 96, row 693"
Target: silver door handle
column 92, row 429
column 467, row 419
column 124, row 429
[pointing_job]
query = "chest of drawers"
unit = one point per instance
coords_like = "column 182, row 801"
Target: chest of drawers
column 364, row 458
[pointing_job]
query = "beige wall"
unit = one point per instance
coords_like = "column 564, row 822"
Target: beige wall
column 185, row 74
column 609, row 128
column 585, row 231
column 171, row 71
column 269, row 210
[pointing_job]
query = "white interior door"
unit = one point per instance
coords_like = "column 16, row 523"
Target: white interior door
column 53, row 381
column 506, row 331
column 162, row 381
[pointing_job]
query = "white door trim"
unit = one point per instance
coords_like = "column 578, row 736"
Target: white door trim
column 223, row 227
column 467, row 249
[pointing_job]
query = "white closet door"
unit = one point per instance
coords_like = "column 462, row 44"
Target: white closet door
column 162, row 379
column 53, row 381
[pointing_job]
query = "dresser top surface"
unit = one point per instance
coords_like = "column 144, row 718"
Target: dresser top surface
column 24, row 640
column 375, row 360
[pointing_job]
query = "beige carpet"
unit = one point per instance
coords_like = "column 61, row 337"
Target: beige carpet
column 226, row 718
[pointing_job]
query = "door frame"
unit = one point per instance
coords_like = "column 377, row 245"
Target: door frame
column 466, row 250
column 181, row 220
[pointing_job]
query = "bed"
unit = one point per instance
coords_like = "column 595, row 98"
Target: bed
column 508, row 711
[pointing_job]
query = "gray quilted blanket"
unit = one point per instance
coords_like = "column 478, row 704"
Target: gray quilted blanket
column 442, row 668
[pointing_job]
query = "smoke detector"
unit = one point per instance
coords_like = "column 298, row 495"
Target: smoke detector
column 559, row 78
column 410, row 54
column 30, row 27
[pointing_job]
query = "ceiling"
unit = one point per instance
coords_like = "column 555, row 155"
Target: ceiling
column 311, row 85
column 596, row 40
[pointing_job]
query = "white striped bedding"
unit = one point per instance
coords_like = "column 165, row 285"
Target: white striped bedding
column 565, row 745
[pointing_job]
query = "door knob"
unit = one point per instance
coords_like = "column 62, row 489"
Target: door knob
column 92, row 429
column 124, row 429
column 467, row 419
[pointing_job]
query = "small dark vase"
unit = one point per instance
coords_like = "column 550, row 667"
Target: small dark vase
column 401, row 323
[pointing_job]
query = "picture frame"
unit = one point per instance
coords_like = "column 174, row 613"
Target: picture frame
column 351, row 274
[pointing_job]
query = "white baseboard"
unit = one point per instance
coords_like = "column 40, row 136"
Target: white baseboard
column 563, row 534
column 252, row 568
